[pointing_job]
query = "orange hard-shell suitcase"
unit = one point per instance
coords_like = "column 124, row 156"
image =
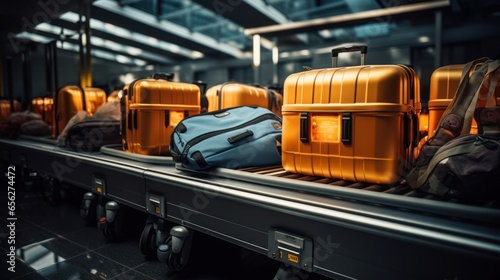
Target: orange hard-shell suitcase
column 232, row 94
column 356, row 123
column 44, row 107
column 6, row 108
column 114, row 95
column 151, row 108
column 71, row 99
column 443, row 86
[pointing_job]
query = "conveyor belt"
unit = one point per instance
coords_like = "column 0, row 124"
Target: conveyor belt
column 403, row 197
column 356, row 233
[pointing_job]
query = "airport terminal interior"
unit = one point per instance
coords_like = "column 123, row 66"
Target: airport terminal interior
column 120, row 212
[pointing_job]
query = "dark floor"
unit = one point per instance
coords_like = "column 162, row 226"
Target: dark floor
column 52, row 242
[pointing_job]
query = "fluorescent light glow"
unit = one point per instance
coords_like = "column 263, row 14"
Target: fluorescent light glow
column 38, row 255
column 256, row 50
column 134, row 36
column 103, row 54
column 275, row 54
column 100, row 42
column 424, row 39
column 97, row 41
column 325, row 33
column 133, row 51
column 70, row 16
column 33, row 37
column 123, row 59
column 167, row 26
column 266, row 43
column 197, row 54
column 305, row 52
column 139, row 62
column 127, row 78
column 113, row 29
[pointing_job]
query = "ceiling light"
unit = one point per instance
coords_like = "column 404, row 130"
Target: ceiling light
column 424, row 39
column 197, row 54
column 127, row 78
column 305, row 52
column 256, row 51
column 275, row 55
column 97, row 41
column 325, row 33
column 122, row 59
column 139, row 62
column 33, row 37
column 70, row 16
column 113, row 29
column 133, row 51
column 162, row 25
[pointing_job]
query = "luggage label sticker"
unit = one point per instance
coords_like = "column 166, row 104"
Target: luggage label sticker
column 325, row 128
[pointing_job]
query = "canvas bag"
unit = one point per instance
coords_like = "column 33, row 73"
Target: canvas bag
column 454, row 163
column 85, row 133
column 92, row 134
column 234, row 137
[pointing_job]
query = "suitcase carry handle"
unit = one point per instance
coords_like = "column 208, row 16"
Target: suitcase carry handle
column 349, row 47
column 164, row 76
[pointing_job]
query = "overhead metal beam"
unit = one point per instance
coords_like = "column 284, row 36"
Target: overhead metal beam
column 150, row 53
column 249, row 14
column 149, row 25
column 386, row 14
column 145, row 55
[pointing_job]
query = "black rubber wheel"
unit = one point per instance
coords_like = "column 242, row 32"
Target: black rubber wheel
column 89, row 214
column 108, row 230
column 174, row 259
column 147, row 242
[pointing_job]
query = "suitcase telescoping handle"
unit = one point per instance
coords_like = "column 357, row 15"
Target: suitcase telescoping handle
column 349, row 47
column 164, row 76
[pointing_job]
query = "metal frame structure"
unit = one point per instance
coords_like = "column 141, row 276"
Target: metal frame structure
column 338, row 229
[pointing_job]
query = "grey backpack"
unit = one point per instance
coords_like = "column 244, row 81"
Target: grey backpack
column 454, row 163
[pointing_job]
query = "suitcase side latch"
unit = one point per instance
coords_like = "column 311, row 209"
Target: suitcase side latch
column 346, row 128
column 304, row 127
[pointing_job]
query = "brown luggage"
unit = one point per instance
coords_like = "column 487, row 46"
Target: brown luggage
column 232, row 94
column 357, row 123
column 71, row 99
column 151, row 108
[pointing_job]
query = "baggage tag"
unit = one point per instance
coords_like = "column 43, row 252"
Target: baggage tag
column 325, row 128
column 173, row 118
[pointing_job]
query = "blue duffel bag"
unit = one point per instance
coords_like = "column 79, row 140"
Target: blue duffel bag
column 233, row 138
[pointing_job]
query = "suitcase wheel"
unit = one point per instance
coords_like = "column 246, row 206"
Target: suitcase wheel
column 147, row 242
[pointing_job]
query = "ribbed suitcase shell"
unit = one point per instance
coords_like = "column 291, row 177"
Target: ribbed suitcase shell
column 443, row 86
column 114, row 96
column 5, row 109
column 237, row 94
column 68, row 101
column 153, row 107
column 44, row 107
column 378, row 100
